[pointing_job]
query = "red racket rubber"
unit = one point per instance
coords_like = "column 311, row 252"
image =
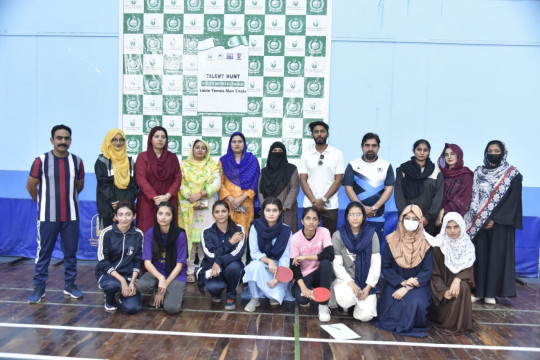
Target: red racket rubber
column 284, row 274
column 321, row 294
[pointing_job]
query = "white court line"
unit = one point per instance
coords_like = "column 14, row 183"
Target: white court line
column 269, row 337
column 38, row 357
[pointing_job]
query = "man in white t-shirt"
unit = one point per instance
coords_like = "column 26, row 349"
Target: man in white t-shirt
column 321, row 171
column 370, row 180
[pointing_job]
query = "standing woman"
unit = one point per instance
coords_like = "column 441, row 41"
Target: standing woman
column 222, row 266
column 115, row 176
column 357, row 264
column 407, row 263
column 492, row 220
column 280, row 179
column 158, row 176
column 119, row 256
column 164, row 256
column 452, row 277
column 420, row 182
column 458, row 180
column 201, row 180
column 312, row 253
column 239, row 180
column 269, row 241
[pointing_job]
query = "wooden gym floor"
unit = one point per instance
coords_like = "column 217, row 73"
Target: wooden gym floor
column 62, row 327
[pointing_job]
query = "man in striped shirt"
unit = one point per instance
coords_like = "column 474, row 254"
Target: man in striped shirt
column 55, row 181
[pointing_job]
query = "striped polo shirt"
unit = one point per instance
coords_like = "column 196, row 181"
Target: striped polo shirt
column 58, row 198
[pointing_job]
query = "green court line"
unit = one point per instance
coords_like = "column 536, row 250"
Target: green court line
column 296, row 333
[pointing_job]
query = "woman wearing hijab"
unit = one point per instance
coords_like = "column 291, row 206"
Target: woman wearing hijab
column 357, row 264
column 269, row 242
column 239, row 180
column 158, row 176
column 458, row 181
column 492, row 220
column 452, row 277
column 201, row 179
column 420, row 182
column 406, row 266
column 280, row 179
column 115, row 176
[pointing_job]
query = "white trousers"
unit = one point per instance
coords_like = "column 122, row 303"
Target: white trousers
column 364, row 310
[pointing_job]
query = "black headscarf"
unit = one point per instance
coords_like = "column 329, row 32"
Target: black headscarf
column 166, row 247
column 277, row 173
column 413, row 182
column 265, row 235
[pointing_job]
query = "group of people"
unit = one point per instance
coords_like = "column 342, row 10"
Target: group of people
column 454, row 242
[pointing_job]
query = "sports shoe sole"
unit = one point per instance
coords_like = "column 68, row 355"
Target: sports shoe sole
column 38, row 301
column 67, row 293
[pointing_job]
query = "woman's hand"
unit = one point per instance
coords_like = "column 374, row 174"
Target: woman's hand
column 272, row 267
column 447, row 295
column 161, row 198
column 194, row 197
column 307, row 292
column 400, row 293
column 162, row 285
column 490, row 224
column 215, row 270
column 413, row 282
column 132, row 288
column 438, row 222
column 272, row 283
column 236, row 238
column 364, row 293
column 126, row 291
column 197, row 205
column 236, row 202
column 424, row 221
column 454, row 288
column 113, row 204
column 297, row 260
column 158, row 299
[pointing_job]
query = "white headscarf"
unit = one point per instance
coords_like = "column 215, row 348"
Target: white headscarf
column 458, row 253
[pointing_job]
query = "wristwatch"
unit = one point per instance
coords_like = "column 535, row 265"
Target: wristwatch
column 408, row 287
column 324, row 199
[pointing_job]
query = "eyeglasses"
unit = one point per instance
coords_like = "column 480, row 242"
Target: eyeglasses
column 321, row 159
column 355, row 215
column 119, row 141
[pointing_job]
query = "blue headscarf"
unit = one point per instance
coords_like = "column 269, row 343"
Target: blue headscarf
column 246, row 174
column 265, row 235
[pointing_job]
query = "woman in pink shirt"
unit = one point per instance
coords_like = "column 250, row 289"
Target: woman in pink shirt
column 311, row 260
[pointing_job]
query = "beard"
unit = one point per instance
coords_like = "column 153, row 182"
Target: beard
column 320, row 141
column 370, row 156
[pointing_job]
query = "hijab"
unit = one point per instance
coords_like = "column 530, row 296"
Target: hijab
column 408, row 249
column 458, row 253
column 118, row 158
column 244, row 174
column 458, row 169
column 455, row 190
column 490, row 184
column 413, row 181
column 277, row 173
column 266, row 233
column 163, row 166
column 360, row 245
column 195, row 173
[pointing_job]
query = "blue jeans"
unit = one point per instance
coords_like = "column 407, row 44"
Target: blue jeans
column 111, row 286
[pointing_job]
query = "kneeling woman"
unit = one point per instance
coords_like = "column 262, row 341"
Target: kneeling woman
column 223, row 245
column 406, row 266
column 452, row 278
column 311, row 260
column 357, row 264
column 119, row 255
column 269, row 240
column 164, row 255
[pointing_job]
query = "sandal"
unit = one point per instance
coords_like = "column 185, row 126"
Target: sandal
column 191, row 278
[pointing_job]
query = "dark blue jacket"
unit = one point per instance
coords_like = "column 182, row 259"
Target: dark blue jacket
column 119, row 251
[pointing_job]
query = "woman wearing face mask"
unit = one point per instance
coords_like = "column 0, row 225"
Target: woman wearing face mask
column 312, row 253
column 452, row 277
column 115, row 176
column 269, row 243
column 458, row 181
column 420, row 182
column 280, row 179
column 406, row 266
column 492, row 220
column 201, row 179
column 357, row 264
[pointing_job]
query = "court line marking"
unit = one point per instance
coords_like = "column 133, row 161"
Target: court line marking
column 4, row 355
column 270, row 337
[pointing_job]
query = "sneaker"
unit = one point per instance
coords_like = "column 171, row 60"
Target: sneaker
column 252, row 305
column 490, row 301
column 109, row 307
column 324, row 313
column 216, row 299
column 305, row 305
column 230, row 304
column 475, row 299
column 73, row 291
column 37, row 295
column 273, row 302
column 342, row 310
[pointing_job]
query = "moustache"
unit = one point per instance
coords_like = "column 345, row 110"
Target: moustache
column 62, row 145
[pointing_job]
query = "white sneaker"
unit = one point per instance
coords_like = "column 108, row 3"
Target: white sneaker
column 273, row 302
column 324, row 313
column 490, row 301
column 252, row 305
column 475, row 299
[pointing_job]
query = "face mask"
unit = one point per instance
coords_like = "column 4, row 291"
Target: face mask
column 494, row 158
column 411, row 225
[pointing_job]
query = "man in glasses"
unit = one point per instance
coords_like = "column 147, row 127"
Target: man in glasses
column 370, row 180
column 321, row 171
column 55, row 181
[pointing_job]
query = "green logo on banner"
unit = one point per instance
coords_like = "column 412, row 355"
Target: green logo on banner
column 254, row 107
column 254, row 146
column 316, row 7
column 255, row 24
column 175, row 144
column 152, row 84
column 173, row 24
column 190, row 85
column 230, row 125
column 213, row 23
column 294, row 66
column 153, row 44
column 215, row 145
column 274, row 45
column 275, row 6
column 191, row 45
column 133, row 104
column 149, row 121
column 314, row 87
column 292, row 107
column 133, row 64
column 273, row 86
column 172, row 65
column 133, row 23
column 134, row 144
column 153, row 6
column 296, row 25
column 172, row 105
column 191, row 125
column 294, row 147
column 194, row 6
column 255, row 67
column 271, row 127
column 234, row 6
column 315, row 46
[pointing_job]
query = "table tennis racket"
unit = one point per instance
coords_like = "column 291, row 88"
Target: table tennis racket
column 321, row 294
column 284, row 274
